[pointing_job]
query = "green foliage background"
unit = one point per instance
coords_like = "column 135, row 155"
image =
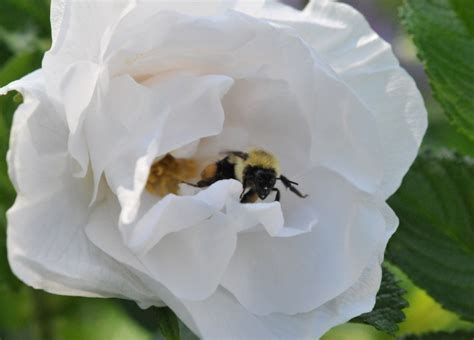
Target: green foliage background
column 435, row 242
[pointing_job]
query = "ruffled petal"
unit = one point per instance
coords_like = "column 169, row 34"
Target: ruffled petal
column 167, row 216
column 50, row 251
column 344, row 39
column 163, row 116
column 222, row 317
column 190, row 262
column 47, row 246
column 81, row 29
column 29, row 145
column 265, row 113
column 200, row 256
column 293, row 275
column 78, row 28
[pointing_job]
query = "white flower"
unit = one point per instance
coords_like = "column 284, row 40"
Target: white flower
column 128, row 82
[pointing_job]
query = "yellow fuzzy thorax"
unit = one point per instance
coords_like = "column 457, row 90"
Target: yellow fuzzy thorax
column 256, row 158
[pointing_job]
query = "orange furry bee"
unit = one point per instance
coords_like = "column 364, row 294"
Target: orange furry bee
column 257, row 170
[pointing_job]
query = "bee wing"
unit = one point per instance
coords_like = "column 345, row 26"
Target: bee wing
column 239, row 154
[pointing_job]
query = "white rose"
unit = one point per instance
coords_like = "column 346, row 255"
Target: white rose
column 128, row 82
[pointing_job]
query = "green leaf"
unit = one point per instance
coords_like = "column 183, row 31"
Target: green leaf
column 460, row 335
column 387, row 312
column 7, row 279
column 441, row 134
column 185, row 333
column 15, row 68
column 16, row 15
column 84, row 318
column 22, row 42
column 168, row 323
column 18, row 66
column 146, row 318
column 7, row 107
column 443, row 32
column 434, row 244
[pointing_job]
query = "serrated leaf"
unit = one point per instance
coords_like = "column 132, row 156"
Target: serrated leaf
column 434, row 244
column 460, row 335
column 443, row 32
column 387, row 312
column 443, row 135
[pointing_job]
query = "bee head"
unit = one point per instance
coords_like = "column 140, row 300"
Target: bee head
column 264, row 181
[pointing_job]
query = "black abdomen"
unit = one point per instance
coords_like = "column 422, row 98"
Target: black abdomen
column 223, row 170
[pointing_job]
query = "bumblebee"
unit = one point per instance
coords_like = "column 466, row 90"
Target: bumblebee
column 257, row 170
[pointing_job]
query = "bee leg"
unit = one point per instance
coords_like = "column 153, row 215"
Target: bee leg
column 190, row 184
column 289, row 185
column 203, row 182
column 250, row 197
column 243, row 192
column 277, row 197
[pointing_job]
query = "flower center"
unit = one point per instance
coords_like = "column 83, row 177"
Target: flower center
column 166, row 175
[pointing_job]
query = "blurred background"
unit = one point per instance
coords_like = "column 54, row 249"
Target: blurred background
column 29, row 314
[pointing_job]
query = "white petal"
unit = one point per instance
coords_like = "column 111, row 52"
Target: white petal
column 189, row 262
column 293, row 275
column 196, row 108
column 30, row 147
column 81, row 29
column 202, row 7
column 252, row 217
column 167, row 216
column 222, row 317
column 345, row 137
column 47, row 247
column 265, row 113
column 166, row 115
column 156, row 13
column 80, row 78
column 48, row 120
column 78, row 28
column 104, row 234
column 120, row 124
column 313, row 95
column 366, row 63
